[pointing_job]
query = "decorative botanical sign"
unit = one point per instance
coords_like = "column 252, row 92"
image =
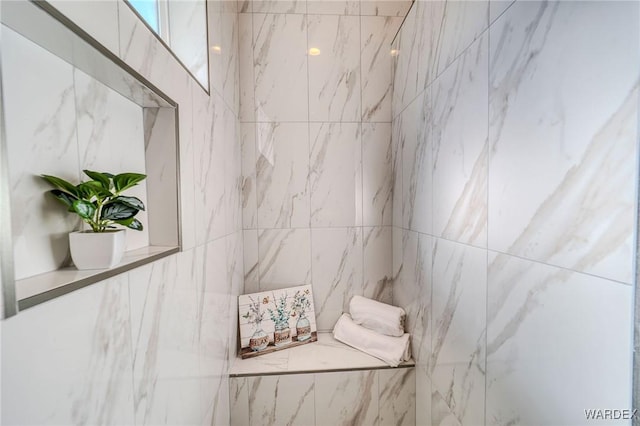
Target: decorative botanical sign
column 275, row 320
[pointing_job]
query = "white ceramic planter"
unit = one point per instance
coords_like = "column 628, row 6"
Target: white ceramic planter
column 97, row 250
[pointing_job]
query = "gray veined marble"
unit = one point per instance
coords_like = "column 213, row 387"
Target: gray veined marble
column 336, row 272
column 209, row 149
column 377, row 263
column 578, row 213
column 275, row 400
column 458, row 355
column 460, row 149
column 377, row 174
column 334, row 74
column 376, row 35
column 282, row 170
column 534, row 337
column 280, row 67
column 347, row 398
column 335, row 174
column 417, row 158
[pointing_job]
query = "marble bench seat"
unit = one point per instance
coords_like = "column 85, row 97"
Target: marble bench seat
column 321, row 383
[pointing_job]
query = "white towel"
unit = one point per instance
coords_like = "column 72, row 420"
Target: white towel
column 377, row 316
column 392, row 350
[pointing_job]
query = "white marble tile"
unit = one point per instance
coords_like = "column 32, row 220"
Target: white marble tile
column 249, row 195
column 83, row 14
column 397, row 401
column 215, row 400
column 423, row 394
column 245, row 67
column 239, row 401
column 377, row 263
column 458, row 338
column 458, row 302
column 417, row 186
column 334, row 74
column 384, row 7
column 458, row 392
column 279, row 6
column 41, row 139
column 233, row 172
column 408, row 51
column 431, row 18
column 280, row 67
column 63, row 368
column 335, row 174
column 164, row 325
column 412, row 289
column 377, row 174
column 109, row 125
column 460, row 131
column 187, row 175
column 142, row 50
column 284, row 258
column 250, row 253
column 397, row 139
column 462, row 22
column 497, row 8
column 561, row 185
column 333, row 7
column 172, row 402
column 376, row 34
column 209, row 149
column 560, row 332
column 187, row 22
column 223, row 51
column 235, row 274
column 336, row 272
column 347, row 398
column 214, row 309
column 280, row 400
column 282, row 170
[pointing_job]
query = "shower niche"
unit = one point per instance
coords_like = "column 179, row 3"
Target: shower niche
column 69, row 104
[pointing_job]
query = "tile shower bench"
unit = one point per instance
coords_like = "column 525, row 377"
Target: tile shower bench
column 321, row 383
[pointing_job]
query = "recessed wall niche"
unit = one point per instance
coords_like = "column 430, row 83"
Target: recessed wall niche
column 69, row 105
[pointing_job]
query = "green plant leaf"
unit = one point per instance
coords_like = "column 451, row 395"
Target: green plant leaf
column 92, row 188
column 131, row 223
column 84, row 209
column 118, row 211
column 133, row 202
column 60, row 184
column 125, row 181
column 64, row 197
column 99, row 177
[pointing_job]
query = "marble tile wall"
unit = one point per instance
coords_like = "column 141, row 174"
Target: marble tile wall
column 151, row 346
column 316, row 147
column 368, row 397
column 514, row 168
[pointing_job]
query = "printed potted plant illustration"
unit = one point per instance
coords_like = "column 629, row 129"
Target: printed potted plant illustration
column 259, row 340
column 301, row 305
column 280, row 318
column 101, row 204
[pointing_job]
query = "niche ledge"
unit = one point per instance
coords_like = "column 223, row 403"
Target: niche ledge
column 44, row 287
column 324, row 356
column 39, row 25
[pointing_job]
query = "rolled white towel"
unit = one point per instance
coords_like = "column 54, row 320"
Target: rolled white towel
column 377, row 316
column 392, row 350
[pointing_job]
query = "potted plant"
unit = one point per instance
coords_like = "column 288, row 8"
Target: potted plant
column 100, row 203
column 280, row 318
column 300, row 306
column 259, row 340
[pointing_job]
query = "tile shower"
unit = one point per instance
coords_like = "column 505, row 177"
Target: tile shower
column 484, row 179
